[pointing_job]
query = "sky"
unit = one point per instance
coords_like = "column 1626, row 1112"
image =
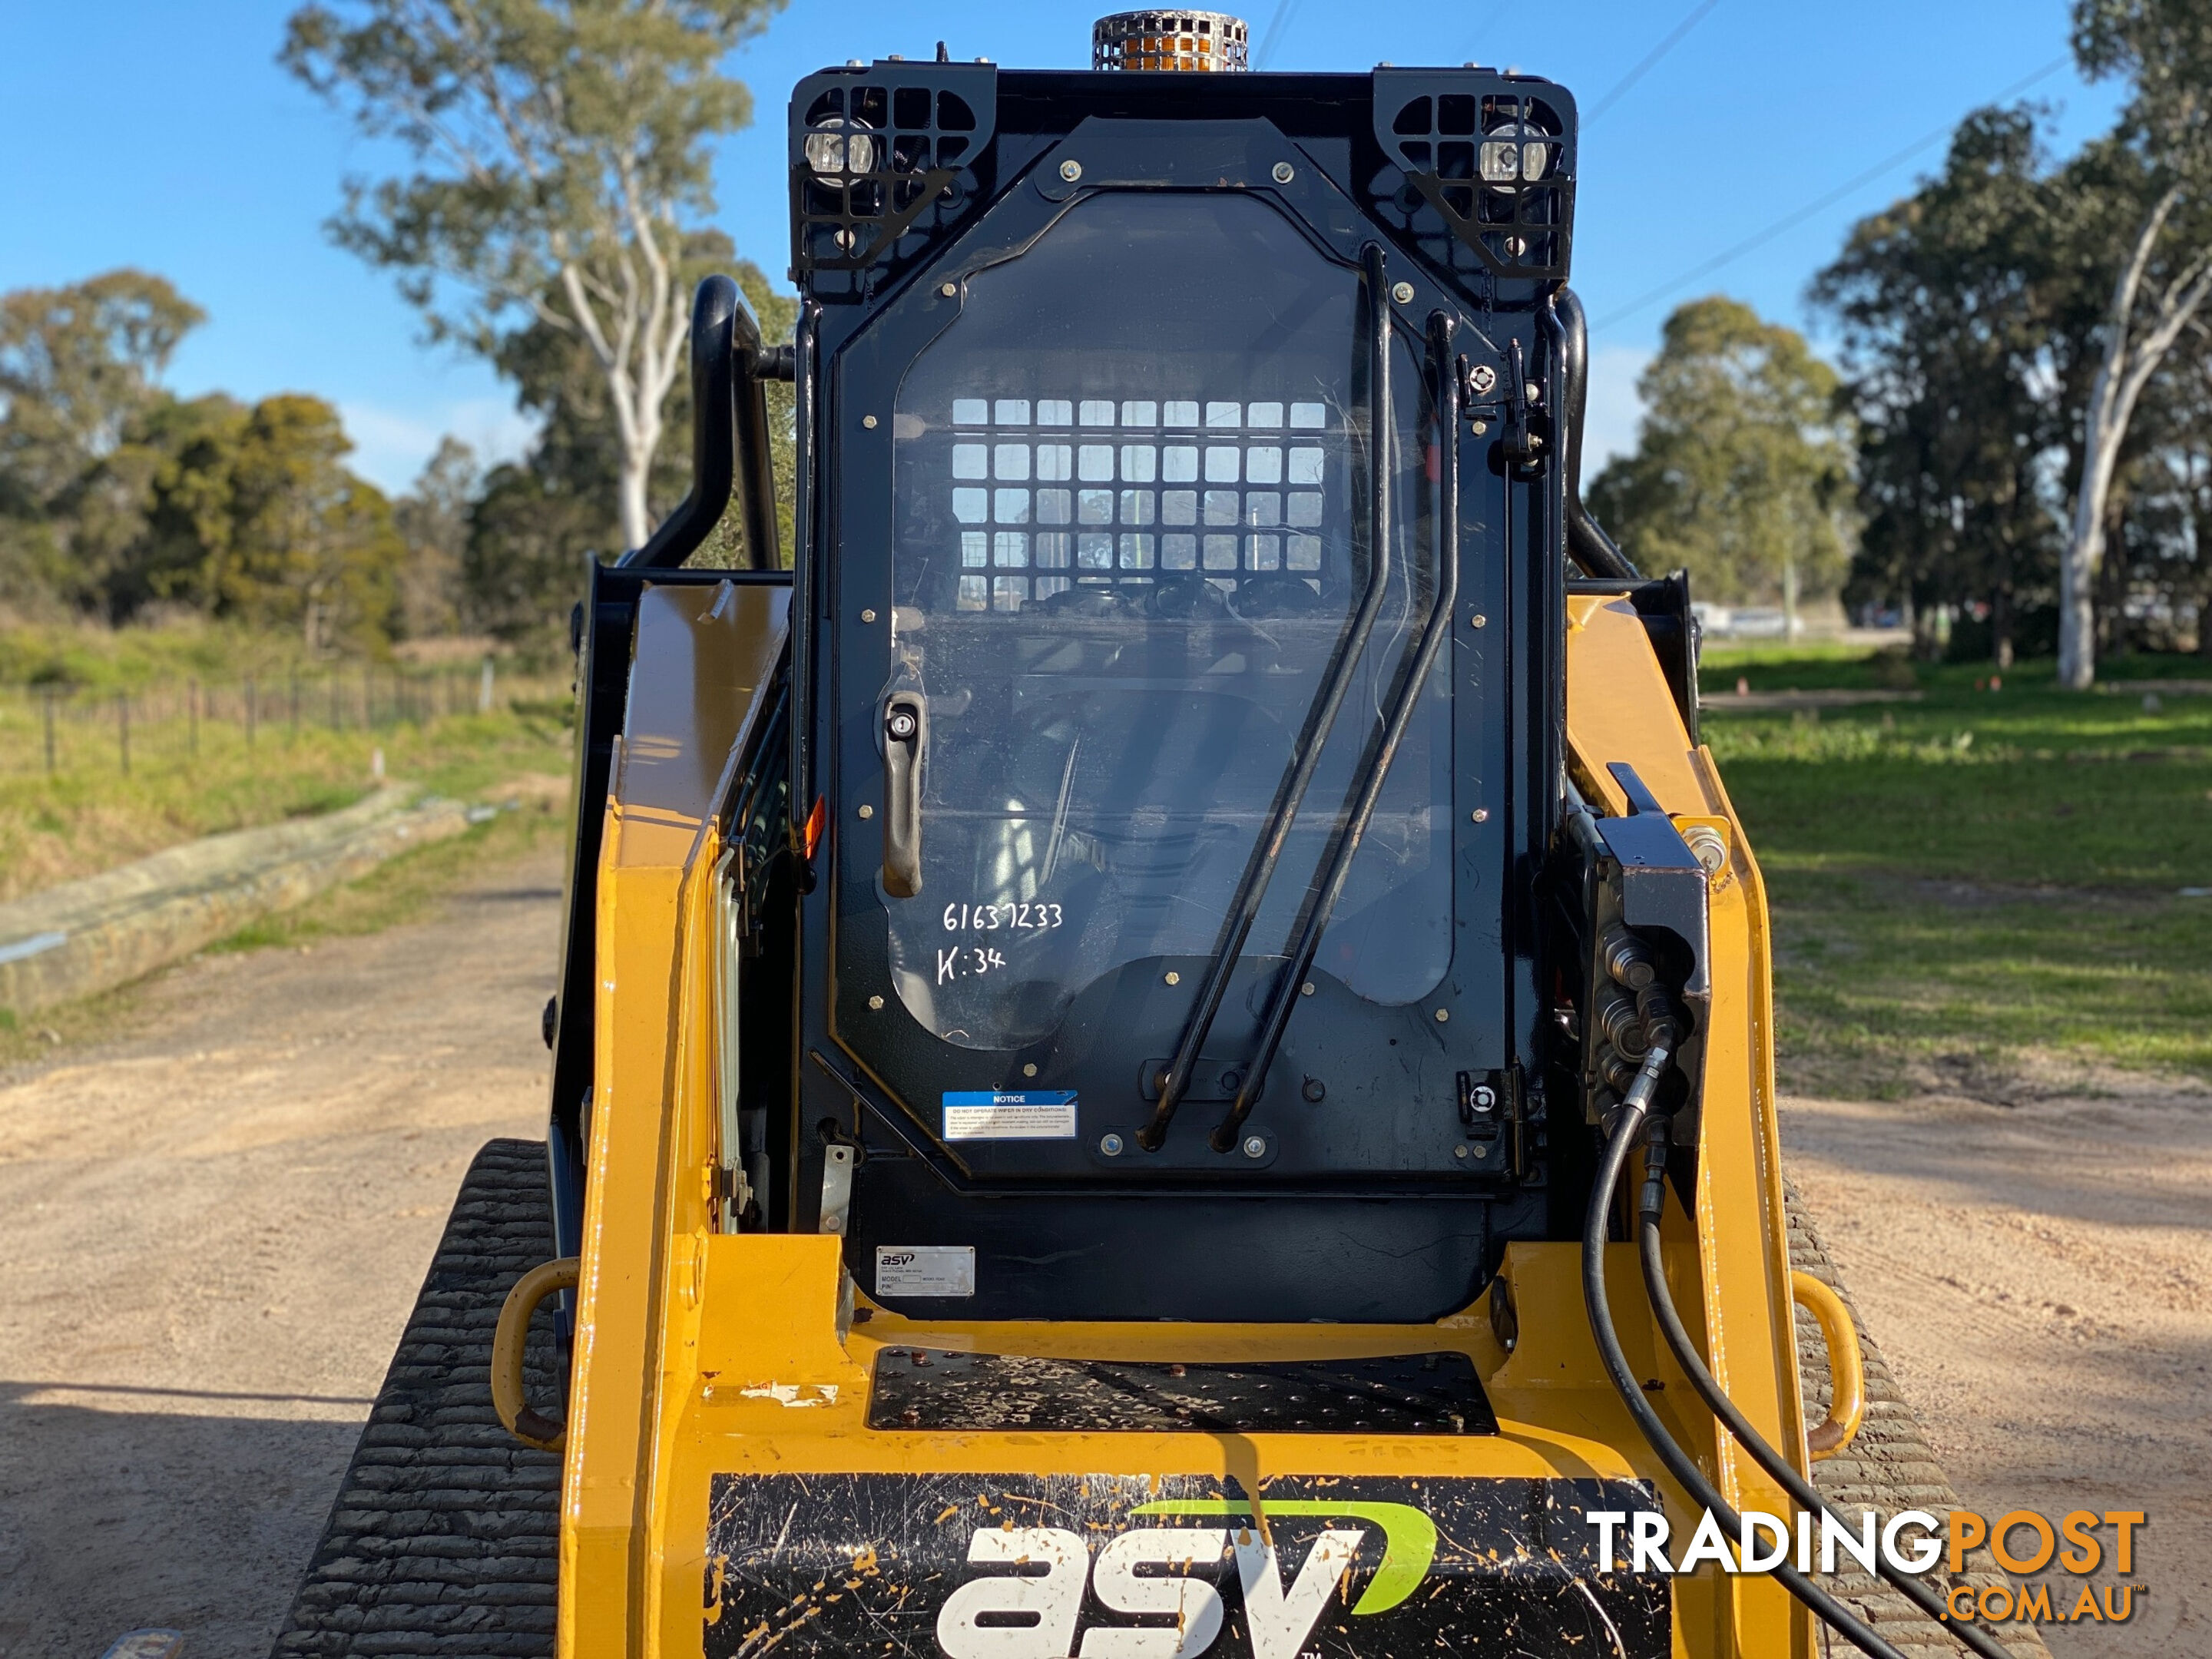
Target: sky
column 1728, row 147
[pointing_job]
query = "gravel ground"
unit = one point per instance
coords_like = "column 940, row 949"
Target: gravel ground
column 216, row 1226
column 2040, row 1276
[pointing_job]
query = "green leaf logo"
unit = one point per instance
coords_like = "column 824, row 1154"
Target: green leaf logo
column 1409, row 1538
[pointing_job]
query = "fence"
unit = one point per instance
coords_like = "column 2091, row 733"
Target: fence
column 64, row 728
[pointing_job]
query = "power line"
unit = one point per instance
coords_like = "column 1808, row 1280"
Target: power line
column 1650, row 59
column 1272, row 35
column 1483, row 33
column 1791, row 221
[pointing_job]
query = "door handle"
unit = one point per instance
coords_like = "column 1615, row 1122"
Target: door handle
column 906, row 734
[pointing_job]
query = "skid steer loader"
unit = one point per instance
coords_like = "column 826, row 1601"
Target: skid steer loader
column 1106, row 1006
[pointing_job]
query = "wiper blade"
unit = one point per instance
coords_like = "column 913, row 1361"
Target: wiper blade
column 1434, row 632
column 1305, row 759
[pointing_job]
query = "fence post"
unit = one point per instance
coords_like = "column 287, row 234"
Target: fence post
column 46, row 697
column 252, row 711
column 483, row 689
column 368, row 696
column 338, row 715
column 192, row 717
column 295, row 705
column 123, row 728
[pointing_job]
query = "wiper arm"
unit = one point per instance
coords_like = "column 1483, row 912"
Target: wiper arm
column 1252, row 887
column 1434, row 632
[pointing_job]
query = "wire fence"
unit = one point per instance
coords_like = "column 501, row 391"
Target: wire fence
column 50, row 729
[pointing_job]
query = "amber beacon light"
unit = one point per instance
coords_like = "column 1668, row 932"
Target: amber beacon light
column 1204, row 41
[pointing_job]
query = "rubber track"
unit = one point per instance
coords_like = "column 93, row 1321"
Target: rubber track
column 444, row 1537
column 1888, row 1467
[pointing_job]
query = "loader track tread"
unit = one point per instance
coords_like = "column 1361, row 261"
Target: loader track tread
column 444, row 1537
column 1886, row 1467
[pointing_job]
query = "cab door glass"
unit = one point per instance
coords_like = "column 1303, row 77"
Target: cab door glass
column 1131, row 488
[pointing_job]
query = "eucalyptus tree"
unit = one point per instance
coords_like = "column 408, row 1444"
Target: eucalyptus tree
column 518, row 570
column 559, row 152
column 1946, row 302
column 2163, row 49
column 1740, row 474
column 80, row 368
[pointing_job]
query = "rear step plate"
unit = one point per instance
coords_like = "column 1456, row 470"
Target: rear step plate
column 1392, row 1394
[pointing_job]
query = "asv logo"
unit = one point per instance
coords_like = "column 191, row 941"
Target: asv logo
column 1031, row 1612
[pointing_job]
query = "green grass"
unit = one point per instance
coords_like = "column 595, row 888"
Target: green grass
column 106, row 659
column 88, row 816
column 1973, row 878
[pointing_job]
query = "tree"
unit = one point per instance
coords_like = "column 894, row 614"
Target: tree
column 2164, row 49
column 189, row 502
column 115, row 494
column 559, row 146
column 302, row 543
column 433, row 521
column 79, row 367
column 535, row 520
column 1946, row 301
column 1739, row 476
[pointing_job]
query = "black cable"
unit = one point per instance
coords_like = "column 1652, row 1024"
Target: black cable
column 1763, row 1454
column 1790, row 220
column 1648, row 62
column 1273, row 36
column 1679, row 1464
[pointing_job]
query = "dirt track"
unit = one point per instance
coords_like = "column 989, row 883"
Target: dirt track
column 211, row 1231
column 2040, row 1275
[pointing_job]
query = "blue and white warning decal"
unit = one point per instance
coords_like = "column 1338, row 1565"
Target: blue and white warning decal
column 962, row 1566
column 1010, row 1115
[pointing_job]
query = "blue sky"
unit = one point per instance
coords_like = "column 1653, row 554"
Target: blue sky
column 164, row 135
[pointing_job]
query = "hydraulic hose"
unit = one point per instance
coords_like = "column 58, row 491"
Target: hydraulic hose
column 1651, row 1206
column 1626, row 1131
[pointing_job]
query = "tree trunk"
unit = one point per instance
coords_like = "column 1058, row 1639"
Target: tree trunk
column 1927, row 644
column 640, row 357
column 2085, row 543
column 2127, row 366
column 2194, row 495
column 2104, row 425
column 637, row 522
column 2112, row 581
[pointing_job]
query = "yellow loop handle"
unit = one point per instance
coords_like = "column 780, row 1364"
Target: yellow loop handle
column 1846, row 1366
column 530, row 1427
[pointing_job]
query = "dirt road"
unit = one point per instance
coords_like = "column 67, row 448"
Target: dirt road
column 211, row 1231
column 2040, row 1275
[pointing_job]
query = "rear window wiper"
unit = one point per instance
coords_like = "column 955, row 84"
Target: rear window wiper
column 1305, row 759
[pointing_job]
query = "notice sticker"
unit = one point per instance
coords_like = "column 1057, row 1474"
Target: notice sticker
column 1010, row 1115
column 924, row 1270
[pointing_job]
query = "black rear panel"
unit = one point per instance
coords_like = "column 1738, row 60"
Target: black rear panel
column 1114, row 446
